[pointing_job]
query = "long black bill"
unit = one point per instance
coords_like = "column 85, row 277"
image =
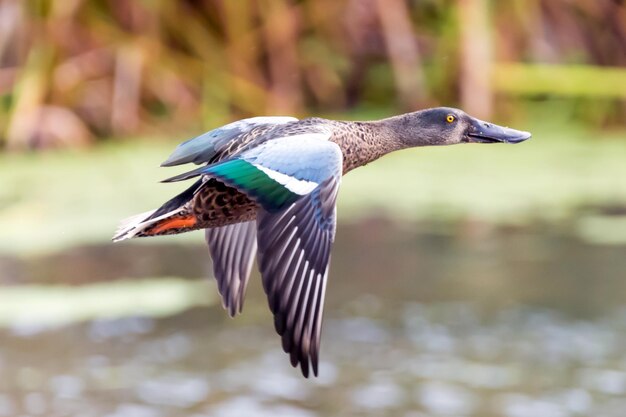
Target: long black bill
column 484, row 132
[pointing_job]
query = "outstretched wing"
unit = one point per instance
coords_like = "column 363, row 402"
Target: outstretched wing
column 206, row 147
column 277, row 172
column 294, row 255
column 295, row 180
column 232, row 249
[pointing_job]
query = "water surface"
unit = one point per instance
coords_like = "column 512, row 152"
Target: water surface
column 421, row 320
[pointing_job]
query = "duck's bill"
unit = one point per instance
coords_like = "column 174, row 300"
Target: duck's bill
column 484, row 132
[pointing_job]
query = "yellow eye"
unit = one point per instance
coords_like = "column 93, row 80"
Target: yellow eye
column 450, row 118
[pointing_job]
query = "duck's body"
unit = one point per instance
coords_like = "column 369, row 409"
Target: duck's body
column 214, row 204
column 273, row 181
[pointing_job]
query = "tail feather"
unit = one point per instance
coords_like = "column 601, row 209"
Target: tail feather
column 165, row 219
column 134, row 226
column 131, row 225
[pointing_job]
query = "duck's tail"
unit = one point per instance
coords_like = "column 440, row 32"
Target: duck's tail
column 143, row 224
column 172, row 217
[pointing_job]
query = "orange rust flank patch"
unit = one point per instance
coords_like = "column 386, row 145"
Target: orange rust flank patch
column 174, row 223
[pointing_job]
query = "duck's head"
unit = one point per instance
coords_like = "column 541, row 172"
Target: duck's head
column 448, row 126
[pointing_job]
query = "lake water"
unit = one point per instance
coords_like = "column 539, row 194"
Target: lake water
column 420, row 320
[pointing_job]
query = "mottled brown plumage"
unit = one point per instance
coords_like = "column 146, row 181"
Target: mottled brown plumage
column 216, row 204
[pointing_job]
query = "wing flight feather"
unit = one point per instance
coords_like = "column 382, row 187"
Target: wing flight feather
column 232, row 249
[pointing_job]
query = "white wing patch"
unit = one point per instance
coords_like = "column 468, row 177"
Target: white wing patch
column 295, row 185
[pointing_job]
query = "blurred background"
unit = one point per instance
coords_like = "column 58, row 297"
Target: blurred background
column 465, row 281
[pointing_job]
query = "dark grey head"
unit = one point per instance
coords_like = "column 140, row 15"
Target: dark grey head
column 448, row 126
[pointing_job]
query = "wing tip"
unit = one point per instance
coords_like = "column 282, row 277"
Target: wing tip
column 166, row 163
column 306, row 361
column 308, row 366
column 185, row 175
column 232, row 308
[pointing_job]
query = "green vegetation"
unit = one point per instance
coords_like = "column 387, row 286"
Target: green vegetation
column 56, row 199
column 564, row 80
column 62, row 304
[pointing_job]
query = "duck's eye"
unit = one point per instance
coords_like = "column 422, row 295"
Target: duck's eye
column 450, row 118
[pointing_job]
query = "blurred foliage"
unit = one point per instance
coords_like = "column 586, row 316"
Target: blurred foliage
column 75, row 70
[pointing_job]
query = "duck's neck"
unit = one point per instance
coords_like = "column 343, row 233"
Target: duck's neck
column 364, row 142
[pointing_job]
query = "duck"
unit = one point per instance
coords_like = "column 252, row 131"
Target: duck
column 266, row 188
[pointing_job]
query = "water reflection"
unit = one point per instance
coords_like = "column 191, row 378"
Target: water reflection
column 429, row 324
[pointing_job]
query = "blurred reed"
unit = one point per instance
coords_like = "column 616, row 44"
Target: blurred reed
column 74, row 71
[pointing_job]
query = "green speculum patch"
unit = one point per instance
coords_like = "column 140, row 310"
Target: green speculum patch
column 247, row 178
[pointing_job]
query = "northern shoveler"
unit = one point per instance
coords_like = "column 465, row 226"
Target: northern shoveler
column 270, row 183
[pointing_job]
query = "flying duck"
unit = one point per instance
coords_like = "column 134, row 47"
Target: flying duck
column 267, row 186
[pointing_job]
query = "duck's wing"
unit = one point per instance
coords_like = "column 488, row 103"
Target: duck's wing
column 232, row 249
column 294, row 251
column 275, row 173
column 294, row 255
column 295, row 180
column 225, row 139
